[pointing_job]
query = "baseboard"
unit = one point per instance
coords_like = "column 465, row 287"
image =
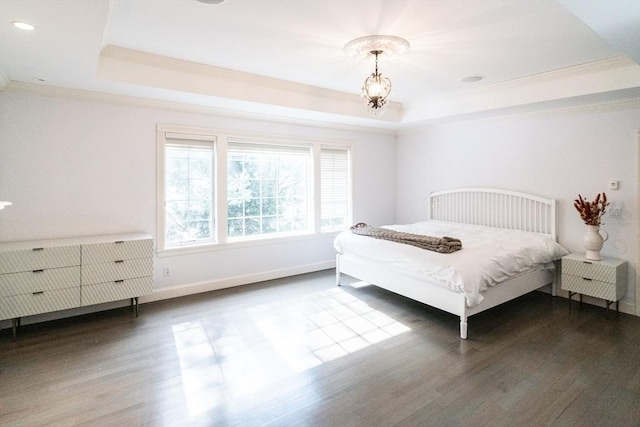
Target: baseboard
column 230, row 282
column 178, row 291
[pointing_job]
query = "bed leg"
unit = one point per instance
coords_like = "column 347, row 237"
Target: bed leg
column 337, row 270
column 463, row 329
column 554, row 284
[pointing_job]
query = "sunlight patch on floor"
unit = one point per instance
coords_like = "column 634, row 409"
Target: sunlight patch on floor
column 244, row 352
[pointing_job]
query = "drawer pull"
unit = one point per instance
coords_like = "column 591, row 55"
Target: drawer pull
column 118, row 281
column 587, row 262
column 586, row 278
column 119, row 242
column 37, row 271
column 120, row 261
column 38, row 249
column 38, row 293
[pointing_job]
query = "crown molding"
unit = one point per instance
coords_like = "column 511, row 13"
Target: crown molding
column 595, row 78
column 118, row 64
column 588, row 108
column 132, row 101
column 603, row 66
column 619, row 66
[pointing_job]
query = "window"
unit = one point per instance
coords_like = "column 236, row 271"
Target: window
column 267, row 189
column 188, row 191
column 216, row 188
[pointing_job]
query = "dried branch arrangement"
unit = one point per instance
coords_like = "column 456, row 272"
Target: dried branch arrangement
column 591, row 212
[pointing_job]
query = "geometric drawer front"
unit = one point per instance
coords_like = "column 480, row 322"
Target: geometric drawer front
column 39, row 259
column 590, row 270
column 39, row 280
column 116, row 270
column 42, row 276
column 42, row 302
column 96, row 253
column 116, row 290
column 594, row 288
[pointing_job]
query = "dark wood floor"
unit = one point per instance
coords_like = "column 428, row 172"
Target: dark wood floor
column 301, row 351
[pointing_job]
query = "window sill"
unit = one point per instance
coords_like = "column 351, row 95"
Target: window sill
column 238, row 244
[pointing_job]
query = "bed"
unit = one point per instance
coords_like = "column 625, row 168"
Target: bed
column 517, row 228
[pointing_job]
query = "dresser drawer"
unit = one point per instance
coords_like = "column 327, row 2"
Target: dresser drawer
column 39, row 280
column 116, row 290
column 39, row 259
column 97, row 253
column 594, row 288
column 117, row 270
column 41, row 302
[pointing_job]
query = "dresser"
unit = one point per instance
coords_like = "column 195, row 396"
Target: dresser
column 49, row 275
column 605, row 279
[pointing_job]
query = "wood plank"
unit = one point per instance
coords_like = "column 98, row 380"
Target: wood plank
column 301, row 351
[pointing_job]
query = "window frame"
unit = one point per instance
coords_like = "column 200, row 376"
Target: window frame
column 221, row 140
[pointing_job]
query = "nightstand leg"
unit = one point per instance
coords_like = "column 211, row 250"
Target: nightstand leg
column 571, row 294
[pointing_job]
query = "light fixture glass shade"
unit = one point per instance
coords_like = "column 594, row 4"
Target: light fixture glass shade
column 375, row 91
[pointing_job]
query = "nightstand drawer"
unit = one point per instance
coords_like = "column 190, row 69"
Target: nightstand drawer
column 117, row 270
column 39, row 280
column 97, row 253
column 117, row 290
column 594, row 288
column 608, row 270
column 40, row 302
column 39, row 259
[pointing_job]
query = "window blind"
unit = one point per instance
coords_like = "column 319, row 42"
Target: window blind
column 334, row 188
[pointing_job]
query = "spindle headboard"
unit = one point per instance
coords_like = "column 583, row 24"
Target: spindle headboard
column 494, row 208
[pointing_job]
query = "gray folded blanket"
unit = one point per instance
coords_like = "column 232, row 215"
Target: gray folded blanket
column 445, row 245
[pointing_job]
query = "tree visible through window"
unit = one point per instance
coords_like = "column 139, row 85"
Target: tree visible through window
column 267, row 189
column 188, row 192
column 272, row 187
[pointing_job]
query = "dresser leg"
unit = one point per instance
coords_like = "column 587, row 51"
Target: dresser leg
column 134, row 303
column 14, row 326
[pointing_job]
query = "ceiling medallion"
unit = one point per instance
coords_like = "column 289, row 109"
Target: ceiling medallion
column 376, row 89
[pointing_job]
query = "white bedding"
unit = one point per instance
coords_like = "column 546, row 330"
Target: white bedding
column 488, row 256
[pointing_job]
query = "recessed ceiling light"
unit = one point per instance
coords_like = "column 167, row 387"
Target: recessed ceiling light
column 471, row 79
column 23, row 25
column 211, row 1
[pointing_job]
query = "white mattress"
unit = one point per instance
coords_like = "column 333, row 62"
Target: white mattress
column 488, row 256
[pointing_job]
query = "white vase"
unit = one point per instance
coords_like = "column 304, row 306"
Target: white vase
column 593, row 242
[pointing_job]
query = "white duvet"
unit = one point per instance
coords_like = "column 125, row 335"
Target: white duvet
column 488, row 256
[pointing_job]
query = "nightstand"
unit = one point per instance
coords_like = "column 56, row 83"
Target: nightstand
column 605, row 279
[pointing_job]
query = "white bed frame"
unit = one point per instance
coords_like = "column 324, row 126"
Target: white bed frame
column 480, row 206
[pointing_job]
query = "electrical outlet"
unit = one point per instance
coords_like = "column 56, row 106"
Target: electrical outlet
column 167, row 271
column 615, row 212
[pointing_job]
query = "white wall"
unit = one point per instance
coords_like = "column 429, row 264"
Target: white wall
column 555, row 156
column 75, row 168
